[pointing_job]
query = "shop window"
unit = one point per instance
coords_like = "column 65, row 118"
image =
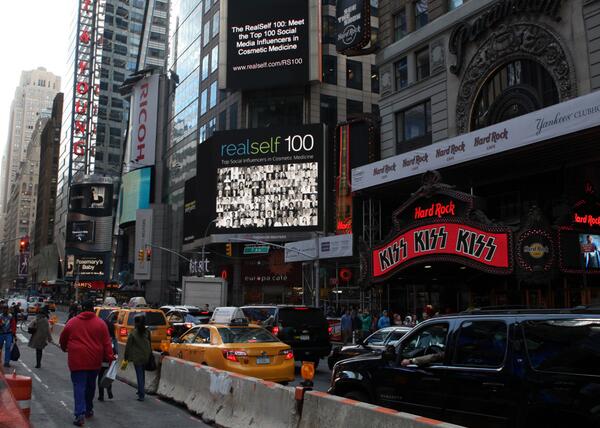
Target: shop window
column 481, row 344
column 328, row 109
column 330, row 69
column 422, row 60
column 374, row 79
column 353, row 108
column 453, row 4
column 401, row 73
column 399, row 25
column 421, row 13
column 413, row 127
column 354, row 74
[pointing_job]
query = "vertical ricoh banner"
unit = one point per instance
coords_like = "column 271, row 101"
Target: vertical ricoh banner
column 141, row 144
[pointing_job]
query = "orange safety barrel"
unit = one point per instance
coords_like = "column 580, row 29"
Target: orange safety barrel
column 10, row 416
column 20, row 387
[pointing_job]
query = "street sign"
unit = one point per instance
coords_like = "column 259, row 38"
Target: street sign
column 256, row 249
column 325, row 247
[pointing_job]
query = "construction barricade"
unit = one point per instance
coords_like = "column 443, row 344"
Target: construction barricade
column 11, row 413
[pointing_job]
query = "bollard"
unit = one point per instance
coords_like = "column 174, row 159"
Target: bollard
column 20, row 387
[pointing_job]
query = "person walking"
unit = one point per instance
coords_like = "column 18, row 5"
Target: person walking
column 86, row 340
column 366, row 323
column 384, row 320
column 346, row 325
column 8, row 332
column 40, row 335
column 110, row 324
column 138, row 350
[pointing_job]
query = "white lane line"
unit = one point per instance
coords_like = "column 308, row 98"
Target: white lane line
column 37, row 378
column 25, row 366
column 22, row 338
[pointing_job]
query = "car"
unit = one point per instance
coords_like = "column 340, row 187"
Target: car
column 104, row 311
column 521, row 368
column 229, row 342
column 34, row 304
column 376, row 342
column 182, row 319
column 155, row 322
column 304, row 328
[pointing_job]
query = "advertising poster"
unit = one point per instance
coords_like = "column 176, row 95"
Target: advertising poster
column 267, row 43
column 80, row 231
column 353, row 26
column 135, row 193
column 86, row 267
column 268, row 179
column 91, row 199
column 580, row 251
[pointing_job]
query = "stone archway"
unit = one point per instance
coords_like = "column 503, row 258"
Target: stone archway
column 521, row 40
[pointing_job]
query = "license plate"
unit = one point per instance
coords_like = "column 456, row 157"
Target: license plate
column 305, row 337
column 263, row 360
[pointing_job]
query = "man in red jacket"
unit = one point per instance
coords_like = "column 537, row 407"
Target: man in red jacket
column 86, row 339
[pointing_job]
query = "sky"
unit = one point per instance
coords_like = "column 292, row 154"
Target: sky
column 33, row 33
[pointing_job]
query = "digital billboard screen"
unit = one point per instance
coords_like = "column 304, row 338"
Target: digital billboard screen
column 91, row 198
column 135, row 193
column 259, row 180
column 580, row 251
column 353, row 26
column 80, row 231
column 267, row 43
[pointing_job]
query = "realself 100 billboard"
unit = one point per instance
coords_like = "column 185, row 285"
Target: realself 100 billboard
column 262, row 180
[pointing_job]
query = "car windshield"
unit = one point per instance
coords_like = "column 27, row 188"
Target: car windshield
column 152, row 318
column 246, row 335
column 103, row 313
column 377, row 338
column 259, row 315
column 196, row 319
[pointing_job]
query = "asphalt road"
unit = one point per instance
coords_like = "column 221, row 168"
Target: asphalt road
column 52, row 398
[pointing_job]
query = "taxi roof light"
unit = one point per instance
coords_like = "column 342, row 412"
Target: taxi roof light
column 230, row 315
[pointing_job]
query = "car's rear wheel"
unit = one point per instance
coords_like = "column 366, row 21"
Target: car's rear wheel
column 357, row 395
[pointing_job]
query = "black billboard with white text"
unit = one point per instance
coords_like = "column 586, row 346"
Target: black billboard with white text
column 353, row 24
column 267, row 43
column 262, row 180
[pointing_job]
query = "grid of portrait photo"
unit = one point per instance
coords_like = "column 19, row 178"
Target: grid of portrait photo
column 268, row 196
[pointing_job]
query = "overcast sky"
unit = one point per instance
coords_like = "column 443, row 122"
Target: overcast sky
column 33, row 33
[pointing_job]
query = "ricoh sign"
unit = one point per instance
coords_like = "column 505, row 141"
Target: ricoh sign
column 144, row 112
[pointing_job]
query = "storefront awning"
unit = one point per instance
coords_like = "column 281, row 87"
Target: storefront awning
column 571, row 116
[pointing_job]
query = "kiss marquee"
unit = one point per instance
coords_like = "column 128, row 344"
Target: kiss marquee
column 554, row 121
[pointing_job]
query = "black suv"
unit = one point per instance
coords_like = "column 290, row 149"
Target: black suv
column 487, row 369
column 304, row 328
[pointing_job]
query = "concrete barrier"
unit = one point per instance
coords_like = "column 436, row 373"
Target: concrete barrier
column 321, row 409
column 228, row 399
column 128, row 375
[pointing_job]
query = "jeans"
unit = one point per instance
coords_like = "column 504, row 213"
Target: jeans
column 140, row 374
column 7, row 340
column 84, row 388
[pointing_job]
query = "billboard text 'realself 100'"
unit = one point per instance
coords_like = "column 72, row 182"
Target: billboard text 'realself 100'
column 291, row 143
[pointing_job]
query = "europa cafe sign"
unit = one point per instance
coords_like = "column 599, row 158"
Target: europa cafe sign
column 436, row 225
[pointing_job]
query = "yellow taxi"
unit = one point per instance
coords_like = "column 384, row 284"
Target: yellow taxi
column 228, row 342
column 155, row 322
column 104, row 311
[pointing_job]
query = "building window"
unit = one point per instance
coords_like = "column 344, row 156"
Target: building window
column 328, row 109
column 422, row 57
column 203, row 133
column 354, row 74
column 212, row 127
column 233, row 113
column 353, row 108
column 413, row 127
column 374, row 79
column 214, row 59
column 213, row 95
column 421, row 13
column 401, row 74
column 329, row 30
column 223, row 120
column 203, row 102
column 399, row 25
column 453, row 4
column 215, row 24
column 330, row 69
column 206, row 35
column 205, row 67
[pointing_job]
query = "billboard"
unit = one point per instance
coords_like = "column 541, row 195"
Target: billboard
column 141, row 143
column 190, row 211
column 80, row 231
column 86, row 267
column 263, row 180
column 268, row 43
column 143, row 241
column 91, row 198
column 353, row 24
column 580, row 251
column 135, row 193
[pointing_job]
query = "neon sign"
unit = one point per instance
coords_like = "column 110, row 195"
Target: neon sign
column 586, row 219
column 435, row 210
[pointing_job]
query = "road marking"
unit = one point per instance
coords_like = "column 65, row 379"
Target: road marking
column 22, row 338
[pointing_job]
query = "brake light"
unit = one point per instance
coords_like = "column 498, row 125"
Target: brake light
column 123, row 331
column 275, row 330
column 205, row 313
column 233, row 355
column 330, row 330
column 188, row 325
column 301, row 309
column 170, row 331
column 288, row 354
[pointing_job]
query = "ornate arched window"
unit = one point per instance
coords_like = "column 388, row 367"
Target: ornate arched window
column 515, row 88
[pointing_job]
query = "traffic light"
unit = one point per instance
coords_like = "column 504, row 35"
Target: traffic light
column 228, row 249
column 141, row 255
column 148, row 253
column 24, row 244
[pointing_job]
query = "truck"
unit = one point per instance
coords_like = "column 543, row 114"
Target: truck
column 201, row 291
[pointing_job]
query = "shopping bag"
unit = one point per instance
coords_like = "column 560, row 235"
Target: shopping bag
column 15, row 354
column 124, row 365
column 151, row 364
column 109, row 376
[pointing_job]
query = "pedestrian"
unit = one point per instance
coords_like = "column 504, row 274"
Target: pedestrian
column 408, row 322
column 110, row 324
column 138, row 350
column 356, row 324
column 397, row 319
column 8, row 332
column 86, row 340
column 346, row 325
column 366, row 323
column 374, row 322
column 73, row 308
column 40, row 335
column 384, row 320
